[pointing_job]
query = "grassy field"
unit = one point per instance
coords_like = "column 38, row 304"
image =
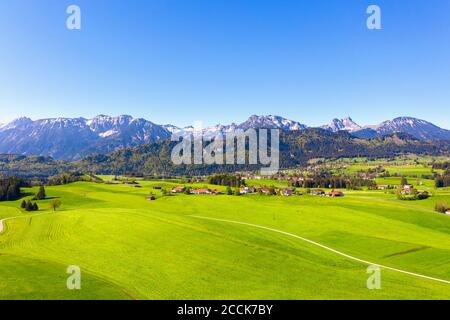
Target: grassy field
column 409, row 165
column 130, row 248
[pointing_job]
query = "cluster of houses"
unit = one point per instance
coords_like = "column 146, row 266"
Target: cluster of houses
column 333, row 193
column 249, row 176
column 182, row 189
column 286, row 192
column 243, row 190
column 408, row 189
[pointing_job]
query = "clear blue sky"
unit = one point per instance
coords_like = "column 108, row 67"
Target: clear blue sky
column 178, row 61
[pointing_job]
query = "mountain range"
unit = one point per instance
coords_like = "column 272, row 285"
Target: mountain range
column 420, row 129
column 74, row 138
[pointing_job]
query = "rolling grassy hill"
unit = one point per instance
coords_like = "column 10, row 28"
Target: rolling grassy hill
column 130, row 248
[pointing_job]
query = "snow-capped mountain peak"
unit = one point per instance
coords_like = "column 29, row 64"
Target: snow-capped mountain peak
column 102, row 123
column 346, row 124
column 254, row 122
column 271, row 122
column 418, row 128
column 72, row 138
column 17, row 123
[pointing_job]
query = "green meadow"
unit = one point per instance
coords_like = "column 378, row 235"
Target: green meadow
column 413, row 166
column 130, row 248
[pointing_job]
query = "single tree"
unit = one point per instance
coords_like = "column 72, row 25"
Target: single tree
column 35, row 207
column 229, row 191
column 404, row 181
column 272, row 191
column 41, row 194
column 441, row 207
column 29, row 206
column 24, row 204
column 55, row 204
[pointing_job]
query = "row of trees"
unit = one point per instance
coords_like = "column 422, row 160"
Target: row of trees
column 29, row 206
column 10, row 189
column 33, row 206
column 334, row 182
column 441, row 166
column 65, row 178
column 226, row 180
column 442, row 181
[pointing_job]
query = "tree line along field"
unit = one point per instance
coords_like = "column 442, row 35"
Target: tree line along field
column 130, row 248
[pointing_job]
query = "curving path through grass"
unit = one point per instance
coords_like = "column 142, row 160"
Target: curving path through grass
column 324, row 247
column 2, row 221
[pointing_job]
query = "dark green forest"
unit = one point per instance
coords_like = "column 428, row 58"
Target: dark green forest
column 10, row 189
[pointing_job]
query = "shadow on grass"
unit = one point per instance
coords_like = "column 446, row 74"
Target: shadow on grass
column 24, row 195
column 51, row 198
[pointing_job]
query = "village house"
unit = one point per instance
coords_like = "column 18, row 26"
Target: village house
column 336, row 193
column 217, row 191
column 407, row 189
column 317, row 192
column 383, row 187
column 287, row 192
column 246, row 190
column 447, row 212
column 179, row 189
column 202, row 191
column 245, row 175
column 265, row 190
